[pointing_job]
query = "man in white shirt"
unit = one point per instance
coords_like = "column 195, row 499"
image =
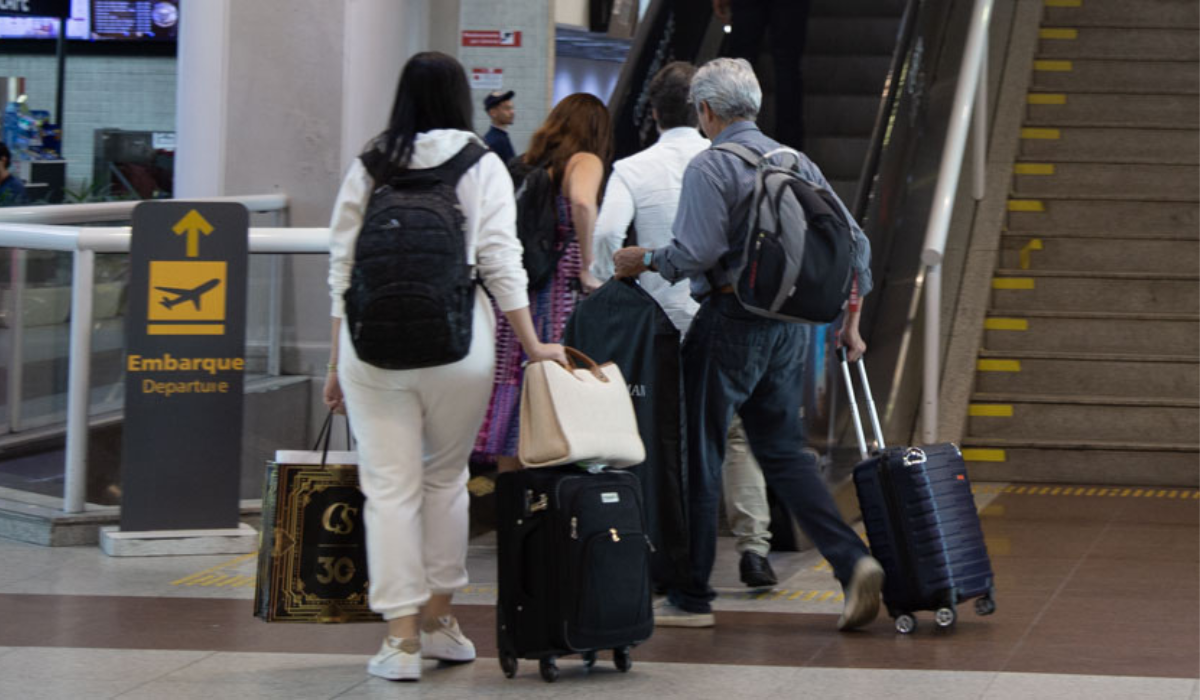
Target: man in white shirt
column 644, row 191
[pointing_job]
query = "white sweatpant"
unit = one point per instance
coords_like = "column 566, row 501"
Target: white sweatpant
column 415, row 430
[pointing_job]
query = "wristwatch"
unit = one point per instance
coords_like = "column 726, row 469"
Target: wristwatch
column 648, row 260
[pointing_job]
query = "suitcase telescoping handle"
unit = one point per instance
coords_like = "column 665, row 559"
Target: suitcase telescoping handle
column 866, row 385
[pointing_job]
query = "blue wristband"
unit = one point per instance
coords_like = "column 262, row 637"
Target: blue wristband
column 648, row 259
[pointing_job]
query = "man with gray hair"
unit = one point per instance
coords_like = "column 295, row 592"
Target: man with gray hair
column 737, row 362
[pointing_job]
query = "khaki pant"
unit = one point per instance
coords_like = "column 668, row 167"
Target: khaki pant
column 745, row 493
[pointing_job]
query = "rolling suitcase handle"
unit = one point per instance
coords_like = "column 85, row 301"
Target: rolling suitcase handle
column 858, row 426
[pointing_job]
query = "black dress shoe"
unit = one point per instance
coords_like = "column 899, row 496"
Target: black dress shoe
column 756, row 571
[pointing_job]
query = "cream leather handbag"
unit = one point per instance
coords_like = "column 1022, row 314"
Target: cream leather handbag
column 577, row 414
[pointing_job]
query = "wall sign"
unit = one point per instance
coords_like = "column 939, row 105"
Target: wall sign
column 35, row 8
column 184, row 366
column 487, row 78
column 492, row 38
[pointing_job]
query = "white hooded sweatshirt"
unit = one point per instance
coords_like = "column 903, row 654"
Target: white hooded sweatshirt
column 486, row 195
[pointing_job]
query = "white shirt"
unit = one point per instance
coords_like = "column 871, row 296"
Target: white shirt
column 485, row 193
column 644, row 189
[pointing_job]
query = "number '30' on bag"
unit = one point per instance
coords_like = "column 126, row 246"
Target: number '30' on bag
column 312, row 563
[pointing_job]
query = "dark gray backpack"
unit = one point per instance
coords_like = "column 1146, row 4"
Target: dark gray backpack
column 412, row 291
column 797, row 262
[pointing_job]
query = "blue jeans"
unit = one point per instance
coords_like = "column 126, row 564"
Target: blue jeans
column 734, row 361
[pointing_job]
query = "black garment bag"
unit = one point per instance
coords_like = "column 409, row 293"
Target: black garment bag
column 622, row 323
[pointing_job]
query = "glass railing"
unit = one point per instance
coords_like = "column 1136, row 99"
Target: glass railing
column 62, row 316
column 35, row 310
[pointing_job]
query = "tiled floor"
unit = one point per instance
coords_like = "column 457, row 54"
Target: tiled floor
column 1099, row 597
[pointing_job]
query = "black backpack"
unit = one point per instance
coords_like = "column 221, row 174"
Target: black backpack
column 797, row 264
column 412, row 291
column 537, row 221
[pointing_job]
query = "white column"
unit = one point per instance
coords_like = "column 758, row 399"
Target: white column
column 380, row 35
column 201, row 98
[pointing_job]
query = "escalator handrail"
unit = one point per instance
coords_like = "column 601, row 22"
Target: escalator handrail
column 623, row 91
column 891, row 90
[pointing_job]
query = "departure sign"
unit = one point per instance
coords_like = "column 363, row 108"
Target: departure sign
column 184, row 367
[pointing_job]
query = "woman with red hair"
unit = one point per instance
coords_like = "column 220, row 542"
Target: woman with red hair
column 574, row 144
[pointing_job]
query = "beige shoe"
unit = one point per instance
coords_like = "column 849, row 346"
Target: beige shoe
column 397, row 660
column 670, row 616
column 862, row 595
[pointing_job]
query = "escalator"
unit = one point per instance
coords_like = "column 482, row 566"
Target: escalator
column 880, row 77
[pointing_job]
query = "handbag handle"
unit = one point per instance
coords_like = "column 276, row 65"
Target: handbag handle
column 574, row 357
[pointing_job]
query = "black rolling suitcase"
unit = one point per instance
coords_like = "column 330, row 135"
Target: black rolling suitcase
column 921, row 523
column 574, row 567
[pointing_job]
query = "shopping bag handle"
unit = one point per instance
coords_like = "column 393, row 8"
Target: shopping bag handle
column 575, row 357
column 324, row 436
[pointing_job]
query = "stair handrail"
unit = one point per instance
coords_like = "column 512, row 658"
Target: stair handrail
column 970, row 99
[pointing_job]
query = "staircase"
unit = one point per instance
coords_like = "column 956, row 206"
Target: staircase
column 1090, row 371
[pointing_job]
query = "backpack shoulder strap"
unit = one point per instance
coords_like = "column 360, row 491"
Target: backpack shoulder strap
column 757, row 161
column 448, row 173
column 737, row 149
column 452, row 170
column 784, row 150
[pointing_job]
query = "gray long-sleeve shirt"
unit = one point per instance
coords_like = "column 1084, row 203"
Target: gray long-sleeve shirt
column 712, row 222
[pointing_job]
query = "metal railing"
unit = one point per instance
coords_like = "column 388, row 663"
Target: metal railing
column 970, row 99
column 35, row 232
column 123, row 211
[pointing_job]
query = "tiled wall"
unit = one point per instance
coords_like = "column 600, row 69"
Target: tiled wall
column 526, row 69
column 103, row 92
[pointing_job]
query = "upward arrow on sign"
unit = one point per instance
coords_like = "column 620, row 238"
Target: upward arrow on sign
column 193, row 225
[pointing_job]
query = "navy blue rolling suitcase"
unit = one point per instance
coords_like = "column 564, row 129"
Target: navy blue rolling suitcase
column 922, row 525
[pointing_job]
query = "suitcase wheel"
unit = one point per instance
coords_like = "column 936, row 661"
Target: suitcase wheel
column 589, row 658
column 985, row 605
column 622, row 659
column 508, row 664
column 945, row 617
column 549, row 668
column 906, row 624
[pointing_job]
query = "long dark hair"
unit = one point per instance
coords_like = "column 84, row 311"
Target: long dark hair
column 579, row 123
column 433, row 94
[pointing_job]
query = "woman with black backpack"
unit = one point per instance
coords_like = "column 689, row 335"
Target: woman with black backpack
column 422, row 213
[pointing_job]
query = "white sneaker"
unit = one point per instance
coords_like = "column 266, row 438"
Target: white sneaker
column 862, row 595
column 668, row 615
column 397, row 660
column 442, row 639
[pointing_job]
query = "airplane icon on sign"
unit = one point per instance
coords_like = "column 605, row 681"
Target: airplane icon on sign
column 184, row 295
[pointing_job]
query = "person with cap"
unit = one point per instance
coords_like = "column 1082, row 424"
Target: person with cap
column 499, row 108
